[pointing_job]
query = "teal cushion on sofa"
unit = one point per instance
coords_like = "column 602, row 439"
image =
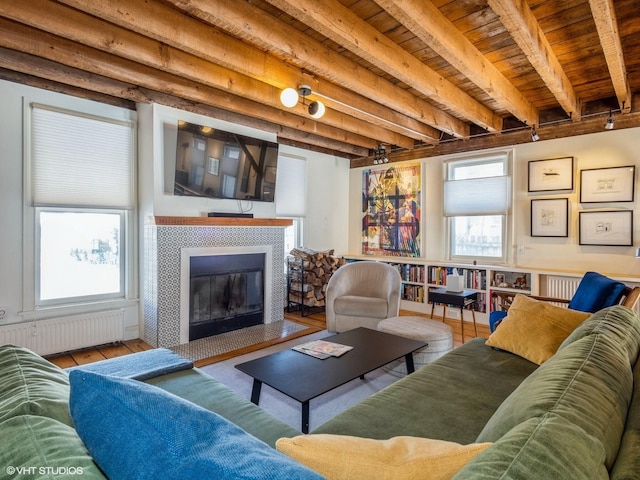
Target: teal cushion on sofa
column 588, row 383
column 41, row 447
column 29, row 384
column 135, row 430
column 547, row 447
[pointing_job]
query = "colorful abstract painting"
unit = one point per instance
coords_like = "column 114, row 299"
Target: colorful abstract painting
column 391, row 211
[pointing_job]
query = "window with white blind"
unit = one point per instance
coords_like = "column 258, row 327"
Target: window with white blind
column 291, row 198
column 81, row 189
column 477, row 197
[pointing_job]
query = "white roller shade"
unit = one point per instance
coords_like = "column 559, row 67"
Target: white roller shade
column 291, row 198
column 476, row 196
column 81, row 161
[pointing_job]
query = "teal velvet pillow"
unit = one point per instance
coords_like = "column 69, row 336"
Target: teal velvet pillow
column 40, row 447
column 135, row 430
column 30, row 385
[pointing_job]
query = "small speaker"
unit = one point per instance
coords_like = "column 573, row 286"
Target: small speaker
column 230, row 215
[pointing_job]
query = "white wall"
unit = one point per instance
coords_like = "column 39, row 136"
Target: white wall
column 599, row 150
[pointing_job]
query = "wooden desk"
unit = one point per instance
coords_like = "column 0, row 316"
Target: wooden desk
column 461, row 300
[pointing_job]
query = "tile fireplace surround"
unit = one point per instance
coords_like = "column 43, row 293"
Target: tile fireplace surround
column 166, row 237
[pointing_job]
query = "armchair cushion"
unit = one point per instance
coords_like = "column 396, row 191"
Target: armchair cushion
column 596, row 292
column 362, row 293
column 355, row 306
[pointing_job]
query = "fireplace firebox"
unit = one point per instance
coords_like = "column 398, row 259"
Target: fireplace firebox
column 226, row 293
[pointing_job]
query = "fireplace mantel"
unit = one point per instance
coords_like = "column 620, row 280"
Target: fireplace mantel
column 219, row 221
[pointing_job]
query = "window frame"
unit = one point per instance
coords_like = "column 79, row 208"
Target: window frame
column 33, row 307
column 504, row 157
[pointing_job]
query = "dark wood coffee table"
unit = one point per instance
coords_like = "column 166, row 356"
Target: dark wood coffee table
column 303, row 377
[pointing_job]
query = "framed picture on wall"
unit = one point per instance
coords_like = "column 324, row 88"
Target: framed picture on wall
column 614, row 184
column 552, row 174
column 611, row 227
column 550, row 217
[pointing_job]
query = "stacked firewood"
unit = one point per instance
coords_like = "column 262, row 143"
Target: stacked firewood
column 309, row 273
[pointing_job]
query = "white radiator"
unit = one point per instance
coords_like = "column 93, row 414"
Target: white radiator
column 565, row 287
column 56, row 335
column 561, row 287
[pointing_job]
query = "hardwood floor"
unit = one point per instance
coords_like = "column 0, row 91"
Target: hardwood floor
column 317, row 320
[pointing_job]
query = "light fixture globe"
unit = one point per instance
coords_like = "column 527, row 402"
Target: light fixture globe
column 289, row 97
column 316, row 109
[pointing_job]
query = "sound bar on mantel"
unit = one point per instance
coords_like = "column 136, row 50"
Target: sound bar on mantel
column 230, row 215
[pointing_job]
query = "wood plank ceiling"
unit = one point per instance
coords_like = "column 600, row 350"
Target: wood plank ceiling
column 422, row 77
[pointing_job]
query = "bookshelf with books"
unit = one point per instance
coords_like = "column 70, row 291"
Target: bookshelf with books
column 412, row 281
column 420, row 275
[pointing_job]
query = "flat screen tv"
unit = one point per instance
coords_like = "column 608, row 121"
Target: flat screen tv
column 218, row 164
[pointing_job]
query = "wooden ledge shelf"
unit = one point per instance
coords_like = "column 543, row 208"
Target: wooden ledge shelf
column 220, row 221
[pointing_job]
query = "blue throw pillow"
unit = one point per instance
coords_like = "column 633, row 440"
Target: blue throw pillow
column 596, row 292
column 138, row 431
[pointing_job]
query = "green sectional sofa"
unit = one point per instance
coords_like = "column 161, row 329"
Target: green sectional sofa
column 576, row 416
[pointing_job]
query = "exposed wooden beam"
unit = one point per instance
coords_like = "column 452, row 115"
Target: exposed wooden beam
column 604, row 15
column 339, row 23
column 518, row 19
column 586, row 126
column 16, row 67
column 74, row 25
column 173, row 28
column 20, row 38
column 251, row 24
column 48, row 75
column 432, row 27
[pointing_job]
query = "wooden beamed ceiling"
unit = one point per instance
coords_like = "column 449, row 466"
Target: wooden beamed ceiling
column 422, row 77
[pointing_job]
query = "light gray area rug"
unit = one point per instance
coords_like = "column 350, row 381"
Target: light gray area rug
column 322, row 408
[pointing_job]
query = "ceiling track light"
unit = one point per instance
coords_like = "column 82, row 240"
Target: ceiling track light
column 609, row 125
column 290, row 97
column 380, row 155
column 534, row 135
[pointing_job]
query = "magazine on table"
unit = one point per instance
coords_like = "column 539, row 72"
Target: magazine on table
column 322, row 349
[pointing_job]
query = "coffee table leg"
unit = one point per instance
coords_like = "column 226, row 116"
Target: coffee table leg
column 408, row 358
column 305, row 417
column 255, row 391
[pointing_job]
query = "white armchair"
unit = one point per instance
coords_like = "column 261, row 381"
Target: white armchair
column 360, row 294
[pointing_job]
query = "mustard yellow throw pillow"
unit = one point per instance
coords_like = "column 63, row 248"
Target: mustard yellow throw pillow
column 342, row 457
column 534, row 329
